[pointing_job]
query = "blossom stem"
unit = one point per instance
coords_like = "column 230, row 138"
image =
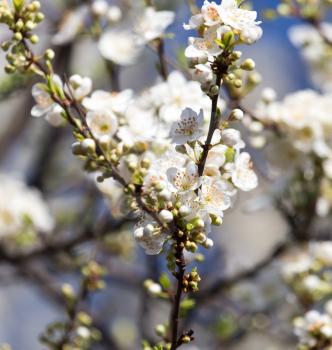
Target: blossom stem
column 175, row 313
column 213, row 126
column 162, row 59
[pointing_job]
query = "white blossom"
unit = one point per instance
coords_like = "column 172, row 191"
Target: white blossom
column 152, row 24
column 243, row 175
column 79, row 87
column 184, row 179
column 120, row 46
column 102, row 122
column 189, row 128
column 22, row 209
column 70, row 26
column 149, row 235
column 215, row 196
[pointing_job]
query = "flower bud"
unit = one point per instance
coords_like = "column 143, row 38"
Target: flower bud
column 186, row 339
column 184, row 210
column 88, row 146
column 214, row 90
column 68, row 291
column 76, row 149
column 165, row 195
column 237, row 83
column 166, row 216
column 248, row 64
column 236, row 114
column 208, row 243
column 114, row 14
column 160, row 330
column 269, row 95
column 104, row 142
column 149, row 229
column 34, row 39
column 49, row 54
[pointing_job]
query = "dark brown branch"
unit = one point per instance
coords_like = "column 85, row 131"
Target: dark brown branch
column 174, row 321
column 162, row 59
column 212, row 128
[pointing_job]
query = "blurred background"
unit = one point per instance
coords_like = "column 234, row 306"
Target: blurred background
column 38, row 154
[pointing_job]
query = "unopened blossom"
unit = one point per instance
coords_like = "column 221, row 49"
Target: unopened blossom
column 232, row 138
column 242, row 173
column 114, row 13
column 188, row 128
column 22, row 208
column 120, row 46
column 79, row 87
column 99, row 7
column 152, row 24
column 102, row 122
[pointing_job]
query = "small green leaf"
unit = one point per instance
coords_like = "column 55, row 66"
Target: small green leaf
column 18, row 5
column 186, row 305
column 165, row 281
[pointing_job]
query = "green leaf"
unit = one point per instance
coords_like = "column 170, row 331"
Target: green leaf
column 186, row 305
column 18, row 5
column 165, row 281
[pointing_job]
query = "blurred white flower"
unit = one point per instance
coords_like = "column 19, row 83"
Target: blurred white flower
column 70, row 26
column 152, row 24
column 22, row 208
column 243, row 175
column 116, row 102
column 120, row 46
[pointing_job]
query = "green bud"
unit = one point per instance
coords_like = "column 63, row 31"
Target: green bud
column 34, row 39
column 18, row 36
column 237, row 83
column 18, row 4
column 248, row 64
column 186, row 339
column 49, row 54
column 9, row 69
column 29, row 25
column 5, row 45
column 39, row 17
column 160, row 330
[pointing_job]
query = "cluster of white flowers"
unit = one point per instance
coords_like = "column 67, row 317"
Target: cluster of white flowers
column 316, row 52
column 314, row 330
column 217, row 26
column 303, row 126
column 155, row 142
column 303, row 271
column 22, row 209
